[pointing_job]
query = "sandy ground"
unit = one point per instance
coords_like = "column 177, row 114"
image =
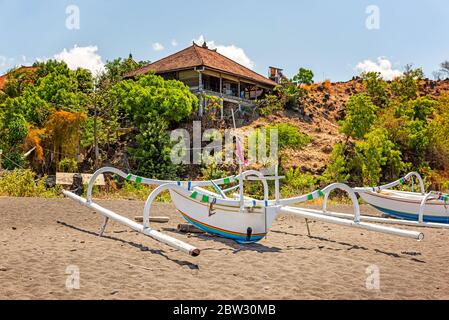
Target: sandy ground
column 40, row 239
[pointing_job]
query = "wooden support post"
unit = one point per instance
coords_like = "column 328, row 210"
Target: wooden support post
column 103, row 226
column 200, row 81
column 200, row 109
column 238, row 89
column 308, row 229
column 200, row 89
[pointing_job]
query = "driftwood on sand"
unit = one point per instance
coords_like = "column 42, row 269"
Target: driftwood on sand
column 153, row 219
column 188, row 228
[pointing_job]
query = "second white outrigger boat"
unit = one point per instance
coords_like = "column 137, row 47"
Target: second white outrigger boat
column 240, row 218
column 423, row 208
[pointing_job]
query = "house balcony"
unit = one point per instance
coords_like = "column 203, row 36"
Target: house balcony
column 225, row 97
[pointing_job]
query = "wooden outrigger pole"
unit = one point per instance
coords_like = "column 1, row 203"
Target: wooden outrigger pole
column 148, row 231
column 243, row 219
column 141, row 228
column 348, row 220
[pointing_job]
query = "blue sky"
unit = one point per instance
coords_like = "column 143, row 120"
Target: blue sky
column 329, row 37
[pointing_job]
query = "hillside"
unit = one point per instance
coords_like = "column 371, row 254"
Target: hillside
column 323, row 108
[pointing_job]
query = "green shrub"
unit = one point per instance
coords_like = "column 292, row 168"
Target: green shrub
column 304, row 76
column 445, row 186
column 210, row 169
column 130, row 191
column 254, row 189
column 13, row 160
column 152, row 154
column 267, row 106
column 68, row 165
column 406, row 86
column 290, row 137
column 135, row 191
column 297, row 183
column 17, row 130
column 376, row 88
column 337, row 169
column 360, row 116
column 22, row 183
column 374, row 153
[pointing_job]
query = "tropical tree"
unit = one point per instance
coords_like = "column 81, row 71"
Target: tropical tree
column 151, row 97
column 304, row 76
column 375, row 88
column 375, row 154
column 37, row 109
column 152, row 150
column 439, row 133
column 116, row 69
column 151, row 104
column 360, row 116
column 338, row 168
column 405, row 87
column 63, row 131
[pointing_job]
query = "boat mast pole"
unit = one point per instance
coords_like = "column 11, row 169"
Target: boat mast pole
column 242, row 199
column 276, row 183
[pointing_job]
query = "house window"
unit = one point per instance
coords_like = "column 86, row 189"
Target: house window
column 230, row 89
column 211, row 83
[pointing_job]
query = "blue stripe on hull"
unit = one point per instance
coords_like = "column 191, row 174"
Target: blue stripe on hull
column 412, row 216
column 237, row 238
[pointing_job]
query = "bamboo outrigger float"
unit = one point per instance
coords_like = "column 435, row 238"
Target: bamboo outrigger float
column 237, row 217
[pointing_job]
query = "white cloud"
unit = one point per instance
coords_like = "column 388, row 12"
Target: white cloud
column 158, row 47
column 174, row 43
column 82, row 57
column 383, row 66
column 231, row 51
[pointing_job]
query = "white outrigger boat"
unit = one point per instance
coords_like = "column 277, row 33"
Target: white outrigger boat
column 240, row 218
column 423, row 208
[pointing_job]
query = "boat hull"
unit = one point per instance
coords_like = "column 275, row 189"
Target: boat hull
column 406, row 205
column 225, row 221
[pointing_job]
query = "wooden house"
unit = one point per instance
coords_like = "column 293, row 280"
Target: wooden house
column 206, row 71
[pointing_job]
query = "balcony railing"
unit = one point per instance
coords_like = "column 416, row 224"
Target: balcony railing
column 225, row 97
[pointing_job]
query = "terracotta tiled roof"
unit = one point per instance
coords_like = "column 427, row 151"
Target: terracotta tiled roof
column 196, row 56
